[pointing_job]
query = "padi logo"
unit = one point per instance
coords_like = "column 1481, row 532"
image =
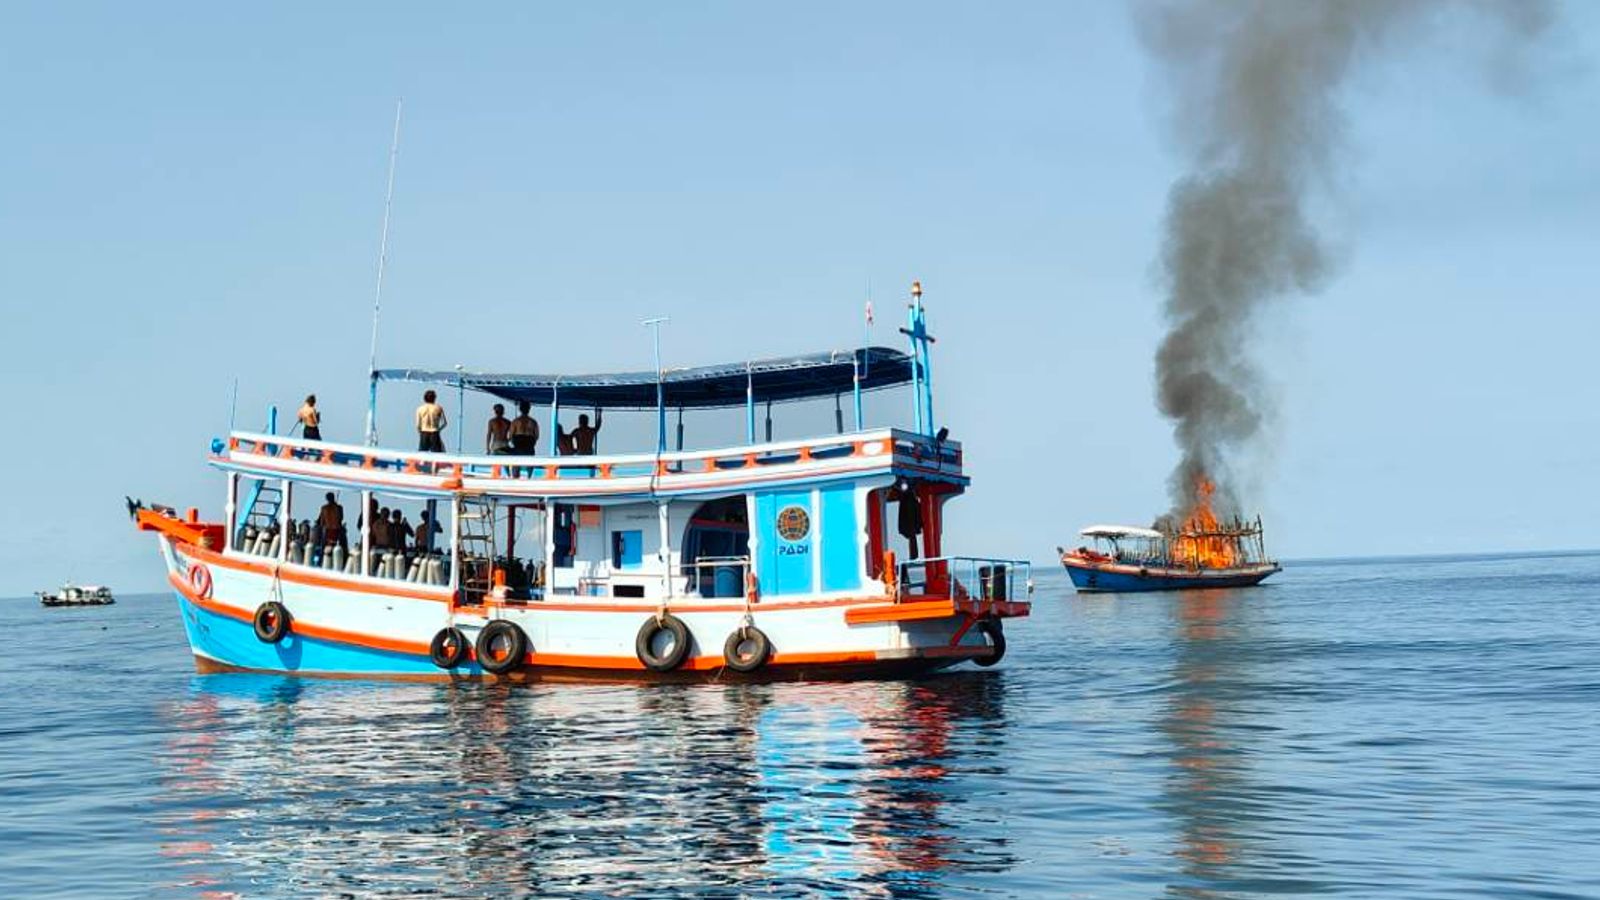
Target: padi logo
column 794, row 523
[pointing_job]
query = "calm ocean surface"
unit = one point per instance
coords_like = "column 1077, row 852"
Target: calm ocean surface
column 1372, row 729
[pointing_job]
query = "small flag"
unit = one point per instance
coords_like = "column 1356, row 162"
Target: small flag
column 869, row 312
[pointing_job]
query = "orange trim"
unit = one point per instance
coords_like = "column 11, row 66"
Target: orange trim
column 192, row 532
column 567, row 660
column 306, row 629
column 650, row 608
column 901, row 612
column 933, row 609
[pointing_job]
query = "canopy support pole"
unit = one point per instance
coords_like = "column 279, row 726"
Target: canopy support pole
column 855, row 378
column 749, row 406
column 372, row 411
column 366, row 532
column 555, row 418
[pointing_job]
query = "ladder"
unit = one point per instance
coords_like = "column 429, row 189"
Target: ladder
column 261, row 510
column 475, row 550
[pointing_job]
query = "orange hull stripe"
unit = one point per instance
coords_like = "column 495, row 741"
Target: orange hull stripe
column 300, row 627
column 567, row 660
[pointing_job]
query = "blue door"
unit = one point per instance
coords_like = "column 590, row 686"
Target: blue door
column 785, row 530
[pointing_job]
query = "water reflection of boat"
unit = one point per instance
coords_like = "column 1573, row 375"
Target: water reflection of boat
column 1126, row 558
column 592, row 789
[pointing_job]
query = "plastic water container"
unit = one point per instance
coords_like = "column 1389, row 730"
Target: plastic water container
column 725, row 581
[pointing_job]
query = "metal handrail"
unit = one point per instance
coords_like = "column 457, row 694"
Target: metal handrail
column 242, row 447
column 980, row 580
column 697, row 576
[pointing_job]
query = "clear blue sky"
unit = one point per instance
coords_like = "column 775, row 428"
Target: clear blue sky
column 191, row 193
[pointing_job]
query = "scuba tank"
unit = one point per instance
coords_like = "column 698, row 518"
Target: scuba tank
column 338, row 555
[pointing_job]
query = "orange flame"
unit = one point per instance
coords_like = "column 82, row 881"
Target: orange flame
column 1197, row 541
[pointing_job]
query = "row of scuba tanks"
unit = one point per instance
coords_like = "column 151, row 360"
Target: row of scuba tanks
column 428, row 568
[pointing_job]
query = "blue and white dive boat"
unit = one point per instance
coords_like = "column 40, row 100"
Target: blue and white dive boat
column 768, row 559
column 1126, row 558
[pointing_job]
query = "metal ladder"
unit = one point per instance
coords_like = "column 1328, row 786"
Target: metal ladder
column 475, row 552
column 261, row 510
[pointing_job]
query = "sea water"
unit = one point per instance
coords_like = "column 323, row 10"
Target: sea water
column 1383, row 728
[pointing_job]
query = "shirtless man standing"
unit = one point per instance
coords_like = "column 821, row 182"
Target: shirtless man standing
column 524, row 432
column 583, row 436
column 430, row 421
column 497, row 441
column 311, row 418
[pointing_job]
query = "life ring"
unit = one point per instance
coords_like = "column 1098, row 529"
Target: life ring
column 271, row 622
column 995, row 632
column 200, row 580
column 747, row 649
column 671, row 656
column 449, row 648
column 501, row 647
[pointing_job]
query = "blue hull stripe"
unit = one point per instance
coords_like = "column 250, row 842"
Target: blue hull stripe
column 230, row 641
column 1129, row 582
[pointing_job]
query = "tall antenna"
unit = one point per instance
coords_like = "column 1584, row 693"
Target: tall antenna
column 377, row 297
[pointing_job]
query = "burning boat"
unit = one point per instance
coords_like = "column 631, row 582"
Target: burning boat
column 1199, row 552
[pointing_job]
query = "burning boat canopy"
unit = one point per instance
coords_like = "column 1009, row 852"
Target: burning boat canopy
column 1115, row 532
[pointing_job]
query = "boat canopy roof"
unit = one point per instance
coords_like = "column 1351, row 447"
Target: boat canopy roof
column 1121, row 531
column 777, row 380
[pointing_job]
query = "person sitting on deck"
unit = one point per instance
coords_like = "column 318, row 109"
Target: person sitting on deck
column 399, row 531
column 580, row 441
column 310, row 418
column 331, row 522
column 497, row 441
column 430, row 422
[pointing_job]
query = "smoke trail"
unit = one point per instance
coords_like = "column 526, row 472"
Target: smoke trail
column 1255, row 87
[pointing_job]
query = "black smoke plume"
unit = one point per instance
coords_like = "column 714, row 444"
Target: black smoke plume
column 1254, row 86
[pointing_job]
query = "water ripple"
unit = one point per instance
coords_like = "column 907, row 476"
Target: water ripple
column 1393, row 729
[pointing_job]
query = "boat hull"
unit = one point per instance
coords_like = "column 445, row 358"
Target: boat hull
column 1117, row 578
column 357, row 628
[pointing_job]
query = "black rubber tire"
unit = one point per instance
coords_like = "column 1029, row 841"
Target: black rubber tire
column 995, row 632
column 759, row 655
column 512, row 653
column 449, row 648
column 674, row 657
column 271, row 622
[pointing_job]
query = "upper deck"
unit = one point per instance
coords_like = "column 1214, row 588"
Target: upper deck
column 595, row 479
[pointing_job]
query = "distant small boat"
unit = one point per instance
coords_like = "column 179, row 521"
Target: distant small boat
column 76, row 595
column 1127, row 559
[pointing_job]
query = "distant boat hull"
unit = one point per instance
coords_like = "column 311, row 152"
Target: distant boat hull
column 1093, row 576
column 53, row 600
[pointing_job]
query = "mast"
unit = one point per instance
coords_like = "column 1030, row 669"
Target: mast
column 377, row 296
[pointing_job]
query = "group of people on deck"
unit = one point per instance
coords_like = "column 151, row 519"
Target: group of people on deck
column 392, row 531
column 505, row 437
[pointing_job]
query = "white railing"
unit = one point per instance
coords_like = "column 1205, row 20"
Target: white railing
column 900, row 446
